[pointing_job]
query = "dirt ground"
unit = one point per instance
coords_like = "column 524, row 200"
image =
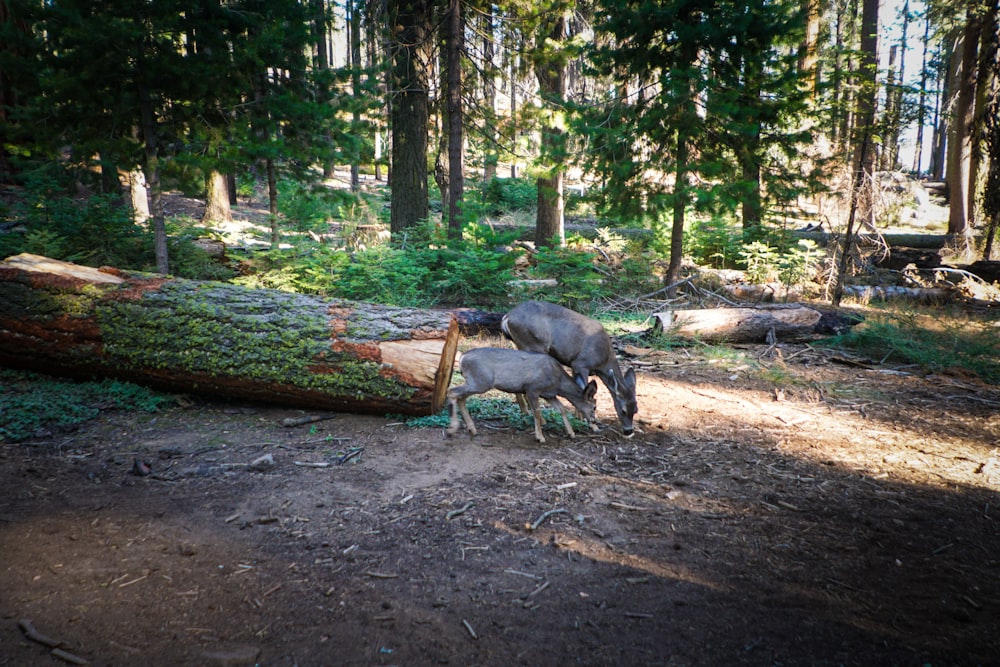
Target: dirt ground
column 835, row 513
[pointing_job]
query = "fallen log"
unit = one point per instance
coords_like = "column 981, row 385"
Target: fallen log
column 923, row 241
column 889, row 292
column 223, row 340
column 740, row 325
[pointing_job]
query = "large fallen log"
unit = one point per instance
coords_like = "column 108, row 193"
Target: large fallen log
column 741, row 325
column 224, row 340
column 925, row 241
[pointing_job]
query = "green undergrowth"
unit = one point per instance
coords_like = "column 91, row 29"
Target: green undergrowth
column 505, row 410
column 32, row 405
column 933, row 341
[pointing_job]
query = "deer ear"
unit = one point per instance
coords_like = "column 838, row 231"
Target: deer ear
column 591, row 389
column 630, row 379
column 581, row 382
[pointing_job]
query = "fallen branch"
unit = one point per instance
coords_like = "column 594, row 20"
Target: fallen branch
column 545, row 515
column 301, row 421
column 34, row 635
column 461, row 510
column 66, row 656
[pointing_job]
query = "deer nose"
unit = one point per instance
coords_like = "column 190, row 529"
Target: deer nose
column 628, row 432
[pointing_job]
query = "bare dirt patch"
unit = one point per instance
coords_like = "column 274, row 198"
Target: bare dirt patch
column 844, row 516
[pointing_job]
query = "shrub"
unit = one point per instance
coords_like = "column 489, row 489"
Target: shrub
column 504, row 194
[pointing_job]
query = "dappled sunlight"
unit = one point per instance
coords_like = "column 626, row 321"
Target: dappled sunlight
column 596, row 549
column 850, row 432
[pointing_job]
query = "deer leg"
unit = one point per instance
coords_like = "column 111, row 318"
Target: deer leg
column 555, row 402
column 466, row 416
column 453, row 412
column 456, row 403
column 537, row 412
column 522, row 403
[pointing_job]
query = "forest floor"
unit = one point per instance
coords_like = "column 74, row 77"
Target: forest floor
column 788, row 506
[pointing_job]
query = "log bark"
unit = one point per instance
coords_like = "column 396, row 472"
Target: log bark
column 923, row 241
column 223, row 340
column 741, row 325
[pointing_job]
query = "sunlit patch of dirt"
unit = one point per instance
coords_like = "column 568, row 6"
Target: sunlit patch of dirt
column 807, row 512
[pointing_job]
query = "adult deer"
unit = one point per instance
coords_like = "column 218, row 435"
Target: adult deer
column 533, row 375
column 578, row 342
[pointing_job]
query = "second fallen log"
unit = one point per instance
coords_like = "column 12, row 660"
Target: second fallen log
column 224, row 340
column 740, row 325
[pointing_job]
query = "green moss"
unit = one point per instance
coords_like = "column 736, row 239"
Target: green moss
column 228, row 331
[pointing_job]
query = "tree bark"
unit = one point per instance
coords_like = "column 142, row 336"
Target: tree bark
column 741, row 325
column 489, row 96
column 922, row 101
column 411, row 30
column 138, row 196
column 862, row 188
column 223, row 340
column 456, row 134
column 217, row 207
column 550, row 69
column 991, row 121
column 960, row 177
column 151, row 167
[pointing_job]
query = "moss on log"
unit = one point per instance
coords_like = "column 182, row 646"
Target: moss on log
column 223, row 339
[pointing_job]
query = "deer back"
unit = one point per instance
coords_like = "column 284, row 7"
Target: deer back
column 573, row 339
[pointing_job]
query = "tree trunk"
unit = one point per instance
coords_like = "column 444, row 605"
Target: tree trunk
column 550, row 69
column 272, row 203
column 138, row 196
column 456, row 136
column 411, row 30
column 946, row 73
column 223, row 340
column 960, row 150
column 808, row 49
column 152, row 174
column 217, row 200
column 321, row 60
column 922, row 100
column 862, row 188
column 489, row 97
column 890, row 119
column 991, row 122
column 355, row 9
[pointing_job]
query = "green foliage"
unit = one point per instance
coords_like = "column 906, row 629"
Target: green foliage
column 187, row 260
column 792, row 266
column 95, row 231
column 506, row 194
column 578, row 284
column 386, row 275
column 30, row 404
column 798, row 263
column 311, row 207
column 486, row 408
column 430, row 271
column 715, row 242
column 760, row 260
column 933, row 343
column 729, row 111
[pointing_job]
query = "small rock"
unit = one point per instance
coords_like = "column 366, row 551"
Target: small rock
column 261, row 463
